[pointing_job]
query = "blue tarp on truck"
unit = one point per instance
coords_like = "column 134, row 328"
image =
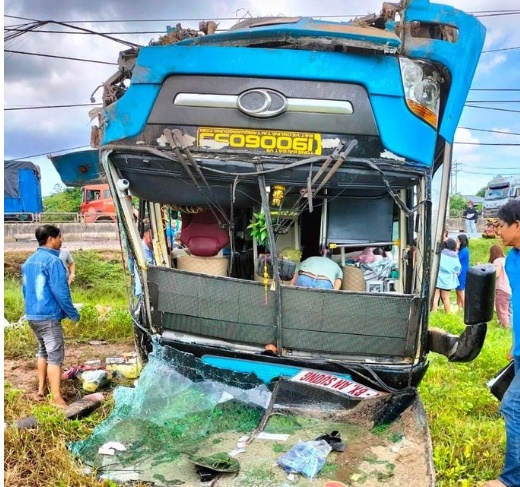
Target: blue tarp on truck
column 22, row 190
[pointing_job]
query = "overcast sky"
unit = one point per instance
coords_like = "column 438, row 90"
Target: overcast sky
column 35, row 81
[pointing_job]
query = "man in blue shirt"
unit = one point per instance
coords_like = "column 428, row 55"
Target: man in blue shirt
column 47, row 301
column 148, row 245
column 509, row 232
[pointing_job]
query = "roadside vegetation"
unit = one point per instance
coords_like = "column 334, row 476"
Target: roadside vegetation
column 100, row 288
column 467, row 431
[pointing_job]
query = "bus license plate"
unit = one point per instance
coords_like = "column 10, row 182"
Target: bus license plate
column 270, row 141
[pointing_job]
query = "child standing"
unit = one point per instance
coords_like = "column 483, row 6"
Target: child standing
column 447, row 279
column 503, row 289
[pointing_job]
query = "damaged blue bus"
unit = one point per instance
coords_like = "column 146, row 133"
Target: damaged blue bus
column 284, row 138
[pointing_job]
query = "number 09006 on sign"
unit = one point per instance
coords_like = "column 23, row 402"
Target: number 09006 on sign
column 266, row 140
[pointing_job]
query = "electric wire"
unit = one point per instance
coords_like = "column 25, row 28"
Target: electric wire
column 38, row 24
column 60, row 57
column 492, row 101
column 492, row 131
column 487, row 143
column 489, row 168
column 494, row 89
column 47, row 152
column 502, row 49
column 493, row 108
column 136, row 32
column 53, row 106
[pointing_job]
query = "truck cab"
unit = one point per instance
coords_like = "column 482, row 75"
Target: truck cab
column 498, row 192
column 97, row 204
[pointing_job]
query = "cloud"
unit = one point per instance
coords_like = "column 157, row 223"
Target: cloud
column 462, row 137
column 486, row 65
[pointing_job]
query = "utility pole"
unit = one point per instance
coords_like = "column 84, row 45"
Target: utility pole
column 455, row 169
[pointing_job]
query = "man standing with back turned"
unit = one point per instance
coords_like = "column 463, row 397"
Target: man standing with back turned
column 47, row 301
column 509, row 232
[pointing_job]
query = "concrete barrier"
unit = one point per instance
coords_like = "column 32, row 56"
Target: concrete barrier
column 14, row 232
column 459, row 225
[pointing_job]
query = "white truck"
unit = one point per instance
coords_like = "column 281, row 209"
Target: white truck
column 499, row 191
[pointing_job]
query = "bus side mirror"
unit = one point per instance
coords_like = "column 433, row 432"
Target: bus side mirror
column 478, row 310
column 480, row 294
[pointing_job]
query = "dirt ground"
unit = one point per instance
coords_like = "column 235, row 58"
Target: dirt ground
column 21, row 373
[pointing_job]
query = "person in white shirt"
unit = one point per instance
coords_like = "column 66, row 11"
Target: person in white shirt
column 70, row 266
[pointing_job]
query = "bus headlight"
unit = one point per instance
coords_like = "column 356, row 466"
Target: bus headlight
column 421, row 89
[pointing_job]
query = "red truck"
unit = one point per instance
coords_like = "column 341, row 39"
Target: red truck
column 97, row 204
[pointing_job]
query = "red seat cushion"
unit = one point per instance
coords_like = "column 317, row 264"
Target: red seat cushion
column 202, row 234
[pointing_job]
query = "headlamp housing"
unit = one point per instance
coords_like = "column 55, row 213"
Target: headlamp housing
column 422, row 88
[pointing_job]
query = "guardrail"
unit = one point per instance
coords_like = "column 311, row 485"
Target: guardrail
column 19, row 232
column 58, row 217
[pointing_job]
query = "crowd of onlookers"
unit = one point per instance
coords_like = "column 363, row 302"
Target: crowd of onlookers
column 453, row 269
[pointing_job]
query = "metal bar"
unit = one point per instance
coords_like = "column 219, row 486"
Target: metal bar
column 274, row 261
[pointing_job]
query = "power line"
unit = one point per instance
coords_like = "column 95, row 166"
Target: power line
column 492, row 131
column 37, row 24
column 492, row 101
column 60, row 57
column 485, row 143
column 503, row 49
column 498, row 170
column 53, row 106
column 494, row 168
column 492, row 11
column 513, row 12
column 492, row 108
column 48, row 152
column 94, row 33
column 494, row 89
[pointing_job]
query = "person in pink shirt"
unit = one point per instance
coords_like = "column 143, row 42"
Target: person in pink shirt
column 503, row 289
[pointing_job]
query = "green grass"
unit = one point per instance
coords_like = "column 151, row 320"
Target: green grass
column 100, row 287
column 467, row 430
column 479, row 249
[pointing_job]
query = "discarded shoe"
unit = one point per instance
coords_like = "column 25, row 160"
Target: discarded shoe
column 334, row 440
column 218, row 462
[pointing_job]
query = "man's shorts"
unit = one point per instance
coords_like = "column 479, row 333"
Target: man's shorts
column 49, row 334
column 307, row 281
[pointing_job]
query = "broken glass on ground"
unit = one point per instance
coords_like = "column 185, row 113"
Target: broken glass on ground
column 182, row 408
